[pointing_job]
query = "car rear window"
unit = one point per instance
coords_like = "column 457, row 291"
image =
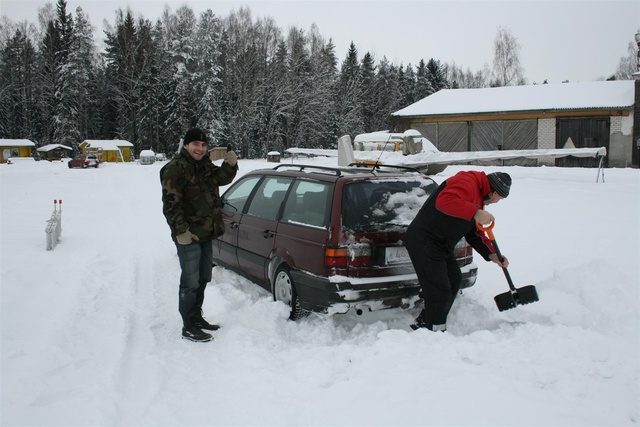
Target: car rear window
column 376, row 204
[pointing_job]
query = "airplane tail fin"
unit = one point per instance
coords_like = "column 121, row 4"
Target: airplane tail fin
column 345, row 151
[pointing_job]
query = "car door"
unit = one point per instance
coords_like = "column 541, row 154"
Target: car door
column 258, row 226
column 235, row 200
column 303, row 229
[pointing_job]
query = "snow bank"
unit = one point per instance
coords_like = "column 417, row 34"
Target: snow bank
column 91, row 331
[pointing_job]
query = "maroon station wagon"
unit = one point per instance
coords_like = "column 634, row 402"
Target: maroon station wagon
column 82, row 161
column 327, row 240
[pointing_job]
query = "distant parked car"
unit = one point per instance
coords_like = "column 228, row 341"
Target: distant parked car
column 328, row 240
column 161, row 157
column 84, row 161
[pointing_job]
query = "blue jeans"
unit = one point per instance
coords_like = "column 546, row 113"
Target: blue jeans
column 196, row 263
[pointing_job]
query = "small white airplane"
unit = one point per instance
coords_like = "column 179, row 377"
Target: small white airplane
column 411, row 149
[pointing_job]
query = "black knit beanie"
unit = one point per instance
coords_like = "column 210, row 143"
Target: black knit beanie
column 500, row 182
column 194, row 134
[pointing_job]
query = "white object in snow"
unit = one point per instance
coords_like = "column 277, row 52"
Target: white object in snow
column 54, row 226
column 147, row 157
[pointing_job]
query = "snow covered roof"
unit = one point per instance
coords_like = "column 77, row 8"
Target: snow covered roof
column 148, row 153
column 50, row 147
column 107, row 144
column 560, row 96
column 16, row 143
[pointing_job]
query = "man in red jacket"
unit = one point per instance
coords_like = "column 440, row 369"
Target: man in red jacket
column 448, row 215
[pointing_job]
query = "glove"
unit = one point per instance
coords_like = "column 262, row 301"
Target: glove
column 186, row 238
column 231, row 158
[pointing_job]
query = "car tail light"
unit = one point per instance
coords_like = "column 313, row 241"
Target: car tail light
column 351, row 256
column 463, row 253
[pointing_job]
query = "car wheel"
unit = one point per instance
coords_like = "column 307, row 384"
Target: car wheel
column 284, row 290
column 69, row 164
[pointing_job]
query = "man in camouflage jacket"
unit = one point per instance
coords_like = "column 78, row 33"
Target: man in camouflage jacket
column 191, row 205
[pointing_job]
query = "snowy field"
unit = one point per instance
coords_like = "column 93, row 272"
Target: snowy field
column 91, row 330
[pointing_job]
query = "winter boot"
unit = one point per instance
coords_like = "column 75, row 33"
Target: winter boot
column 199, row 322
column 420, row 322
column 194, row 334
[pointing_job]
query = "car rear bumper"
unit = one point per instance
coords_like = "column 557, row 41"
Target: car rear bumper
column 338, row 294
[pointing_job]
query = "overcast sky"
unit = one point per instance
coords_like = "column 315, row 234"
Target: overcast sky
column 560, row 40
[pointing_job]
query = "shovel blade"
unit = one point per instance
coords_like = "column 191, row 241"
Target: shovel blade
column 527, row 294
column 521, row 296
column 505, row 301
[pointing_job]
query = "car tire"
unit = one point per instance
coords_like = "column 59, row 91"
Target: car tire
column 69, row 164
column 285, row 290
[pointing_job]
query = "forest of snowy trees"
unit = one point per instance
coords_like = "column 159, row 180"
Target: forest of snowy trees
column 241, row 79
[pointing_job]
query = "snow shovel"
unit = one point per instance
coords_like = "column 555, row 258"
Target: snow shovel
column 515, row 296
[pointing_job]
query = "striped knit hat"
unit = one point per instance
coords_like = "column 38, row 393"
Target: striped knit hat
column 500, row 183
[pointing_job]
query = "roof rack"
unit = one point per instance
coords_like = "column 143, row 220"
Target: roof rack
column 336, row 171
column 377, row 166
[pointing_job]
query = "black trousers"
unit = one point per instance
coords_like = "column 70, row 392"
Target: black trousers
column 439, row 276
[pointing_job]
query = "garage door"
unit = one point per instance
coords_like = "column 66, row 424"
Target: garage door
column 505, row 135
column 583, row 133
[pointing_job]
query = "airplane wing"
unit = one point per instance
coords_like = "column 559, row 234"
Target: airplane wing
column 312, row 151
column 432, row 156
column 442, row 158
column 344, row 153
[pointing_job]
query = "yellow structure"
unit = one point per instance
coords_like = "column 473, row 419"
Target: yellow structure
column 113, row 150
column 15, row 148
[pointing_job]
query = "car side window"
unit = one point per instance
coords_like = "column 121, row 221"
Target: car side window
column 268, row 198
column 236, row 197
column 308, row 203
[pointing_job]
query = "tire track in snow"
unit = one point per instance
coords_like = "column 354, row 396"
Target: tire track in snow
column 138, row 368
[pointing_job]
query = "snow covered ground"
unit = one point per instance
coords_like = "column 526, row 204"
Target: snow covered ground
column 91, row 331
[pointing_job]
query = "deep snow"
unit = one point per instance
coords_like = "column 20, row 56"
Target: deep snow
column 91, row 332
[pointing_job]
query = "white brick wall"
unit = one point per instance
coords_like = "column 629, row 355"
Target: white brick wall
column 616, row 124
column 546, row 133
column 546, row 138
column 622, row 125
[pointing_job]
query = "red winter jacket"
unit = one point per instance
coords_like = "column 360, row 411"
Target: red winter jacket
column 463, row 194
column 447, row 215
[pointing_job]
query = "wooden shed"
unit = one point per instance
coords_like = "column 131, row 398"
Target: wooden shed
column 114, row 150
column 217, row 153
column 273, row 156
column 54, row 151
column 585, row 115
column 15, row 148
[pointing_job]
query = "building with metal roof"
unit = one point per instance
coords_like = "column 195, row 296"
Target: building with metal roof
column 582, row 115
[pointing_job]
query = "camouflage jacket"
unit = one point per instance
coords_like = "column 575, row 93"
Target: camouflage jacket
column 191, row 195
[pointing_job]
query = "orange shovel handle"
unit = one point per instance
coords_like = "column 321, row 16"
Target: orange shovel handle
column 487, row 229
